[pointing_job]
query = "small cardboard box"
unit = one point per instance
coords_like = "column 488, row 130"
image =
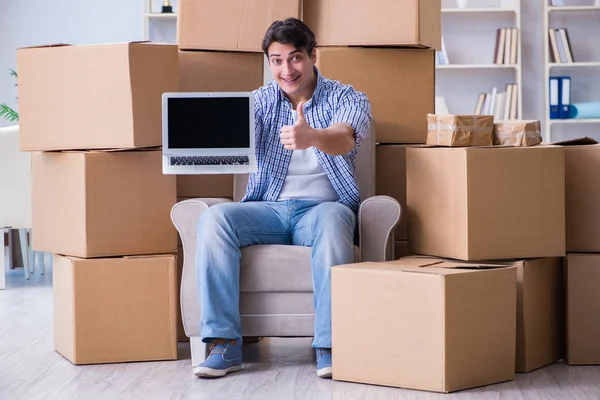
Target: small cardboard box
column 100, row 204
column 583, row 309
column 517, row 133
column 94, row 97
column 445, row 326
column 402, row 23
column 400, row 97
column 115, row 309
column 540, row 310
column 486, row 203
column 459, row 130
column 233, row 25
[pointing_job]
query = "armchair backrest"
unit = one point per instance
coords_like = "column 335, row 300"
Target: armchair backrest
column 365, row 170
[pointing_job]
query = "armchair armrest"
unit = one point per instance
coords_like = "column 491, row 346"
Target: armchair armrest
column 378, row 217
column 185, row 215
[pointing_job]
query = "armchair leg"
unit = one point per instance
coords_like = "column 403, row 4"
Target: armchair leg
column 198, row 349
column 2, row 262
column 24, row 252
column 252, row 339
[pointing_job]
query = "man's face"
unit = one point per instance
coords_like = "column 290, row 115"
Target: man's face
column 291, row 68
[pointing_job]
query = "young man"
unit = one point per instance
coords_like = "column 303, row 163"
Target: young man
column 308, row 129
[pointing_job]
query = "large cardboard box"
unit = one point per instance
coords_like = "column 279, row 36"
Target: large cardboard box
column 115, row 309
column 582, row 176
column 390, row 179
column 485, row 203
column 223, row 71
column 583, row 309
column 94, row 97
column 209, row 71
column 405, row 23
column 99, row 204
column 400, row 98
column 443, row 326
column 234, row 25
column 540, row 310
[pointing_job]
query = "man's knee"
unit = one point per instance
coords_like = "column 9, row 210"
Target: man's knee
column 215, row 217
column 334, row 217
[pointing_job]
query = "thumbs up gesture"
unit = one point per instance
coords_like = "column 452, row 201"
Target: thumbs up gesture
column 299, row 136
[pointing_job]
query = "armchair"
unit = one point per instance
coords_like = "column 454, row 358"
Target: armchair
column 276, row 297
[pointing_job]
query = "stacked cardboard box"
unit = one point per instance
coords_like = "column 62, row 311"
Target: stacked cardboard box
column 582, row 173
column 100, row 203
column 386, row 50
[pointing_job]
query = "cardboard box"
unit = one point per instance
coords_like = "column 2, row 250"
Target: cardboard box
column 401, row 249
column 404, row 23
column 400, row 97
column 540, row 307
column 99, row 204
column 582, row 190
column 583, row 309
column 233, row 25
column 517, row 133
column 94, row 97
column 444, row 326
column 210, row 71
column 390, row 179
column 114, row 309
column 459, row 130
column 485, row 203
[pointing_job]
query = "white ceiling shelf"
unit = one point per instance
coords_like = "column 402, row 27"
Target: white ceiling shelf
column 575, row 64
column 575, row 121
column 477, row 10
column 477, row 66
column 574, row 8
column 160, row 15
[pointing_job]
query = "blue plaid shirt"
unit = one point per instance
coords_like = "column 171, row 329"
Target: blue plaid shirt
column 331, row 103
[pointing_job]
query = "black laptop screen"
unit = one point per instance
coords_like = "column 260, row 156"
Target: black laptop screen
column 208, row 122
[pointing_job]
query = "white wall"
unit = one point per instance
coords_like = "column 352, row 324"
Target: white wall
column 34, row 22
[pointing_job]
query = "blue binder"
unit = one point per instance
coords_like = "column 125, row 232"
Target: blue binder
column 565, row 96
column 554, row 87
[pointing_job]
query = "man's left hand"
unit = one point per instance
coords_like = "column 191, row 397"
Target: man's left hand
column 299, row 136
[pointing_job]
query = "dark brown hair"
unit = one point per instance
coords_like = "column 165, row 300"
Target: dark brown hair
column 290, row 31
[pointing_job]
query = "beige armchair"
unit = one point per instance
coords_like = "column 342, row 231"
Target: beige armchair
column 276, row 297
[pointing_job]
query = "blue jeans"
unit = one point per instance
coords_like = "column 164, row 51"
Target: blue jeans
column 328, row 228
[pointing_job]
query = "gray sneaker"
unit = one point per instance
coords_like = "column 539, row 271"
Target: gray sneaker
column 225, row 356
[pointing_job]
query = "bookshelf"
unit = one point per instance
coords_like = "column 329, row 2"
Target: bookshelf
column 579, row 19
column 151, row 14
column 471, row 41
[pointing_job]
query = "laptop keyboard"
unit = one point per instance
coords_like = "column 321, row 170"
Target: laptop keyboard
column 210, row 160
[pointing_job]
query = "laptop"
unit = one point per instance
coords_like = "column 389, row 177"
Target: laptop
column 208, row 133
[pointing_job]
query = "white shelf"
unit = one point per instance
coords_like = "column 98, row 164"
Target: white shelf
column 574, row 8
column 477, row 10
column 160, row 15
column 574, row 121
column 575, row 64
column 477, row 66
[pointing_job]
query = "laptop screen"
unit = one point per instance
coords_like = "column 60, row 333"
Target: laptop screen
column 208, row 122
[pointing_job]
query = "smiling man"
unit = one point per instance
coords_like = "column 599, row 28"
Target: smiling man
column 305, row 193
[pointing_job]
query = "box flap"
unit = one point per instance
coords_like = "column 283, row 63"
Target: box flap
column 416, row 261
column 46, row 46
column 577, row 141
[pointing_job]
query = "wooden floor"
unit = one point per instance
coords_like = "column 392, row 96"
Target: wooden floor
column 274, row 368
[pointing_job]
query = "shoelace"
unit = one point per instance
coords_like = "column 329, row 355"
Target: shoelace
column 216, row 342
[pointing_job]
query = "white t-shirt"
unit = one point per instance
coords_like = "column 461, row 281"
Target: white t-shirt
column 306, row 179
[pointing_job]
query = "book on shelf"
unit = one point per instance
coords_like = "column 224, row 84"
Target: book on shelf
column 441, row 57
column 502, row 105
column 507, row 46
column 559, row 46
